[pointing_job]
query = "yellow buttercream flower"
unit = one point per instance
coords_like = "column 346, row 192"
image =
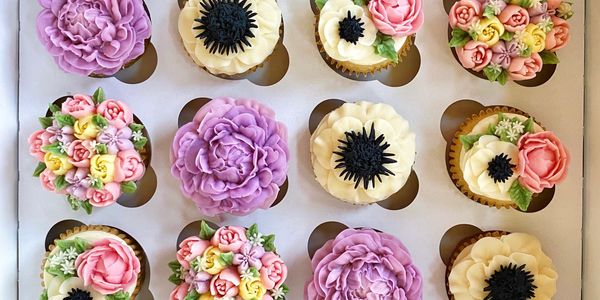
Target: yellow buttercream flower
column 209, row 262
column 252, row 289
column 537, row 38
column 85, row 128
column 103, row 167
column 490, row 30
column 59, row 165
column 206, row 296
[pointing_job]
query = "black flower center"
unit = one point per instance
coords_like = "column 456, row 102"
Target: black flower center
column 500, row 168
column 510, row 283
column 226, row 25
column 351, row 29
column 363, row 157
column 77, row 294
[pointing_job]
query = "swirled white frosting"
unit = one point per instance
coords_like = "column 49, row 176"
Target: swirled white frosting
column 353, row 117
column 263, row 43
column 361, row 53
column 479, row 261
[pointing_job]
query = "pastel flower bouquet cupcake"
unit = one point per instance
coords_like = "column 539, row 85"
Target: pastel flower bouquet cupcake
column 228, row 263
column 89, row 149
column 509, row 39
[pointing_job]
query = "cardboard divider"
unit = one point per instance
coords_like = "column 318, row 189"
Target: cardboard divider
column 323, row 233
column 453, row 237
column 142, row 69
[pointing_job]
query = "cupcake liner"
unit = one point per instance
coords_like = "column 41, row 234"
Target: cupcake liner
column 125, row 237
column 456, row 173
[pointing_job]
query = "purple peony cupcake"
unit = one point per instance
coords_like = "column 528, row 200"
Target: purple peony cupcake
column 232, row 158
column 94, row 37
column 364, row 264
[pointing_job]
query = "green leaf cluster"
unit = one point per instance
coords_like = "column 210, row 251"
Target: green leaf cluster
column 549, row 58
column 520, row 195
column 469, row 140
column 494, row 74
column 128, row 187
column 206, row 232
column 385, row 46
column 459, row 38
column 120, row 295
column 98, row 96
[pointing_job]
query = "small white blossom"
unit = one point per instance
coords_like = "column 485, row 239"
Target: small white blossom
column 63, row 147
column 68, row 267
column 247, row 275
column 518, row 127
column 256, row 239
column 497, row 5
column 71, row 253
column 278, row 293
column 137, row 135
column 496, row 67
column 55, row 260
column 503, row 125
column 511, row 135
column 225, row 298
column 475, row 27
column 93, row 144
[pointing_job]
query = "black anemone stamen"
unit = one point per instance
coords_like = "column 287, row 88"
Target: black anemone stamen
column 363, row 157
column 351, row 29
column 511, row 282
column 226, row 25
column 78, row 294
column 500, row 168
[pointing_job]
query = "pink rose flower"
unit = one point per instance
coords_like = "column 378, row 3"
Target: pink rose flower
column 79, row 106
column 129, row 166
column 273, row 272
column 80, row 152
column 189, row 249
column 104, row 197
column 474, row 55
column 543, row 161
column 515, row 18
column 116, row 113
column 524, row 68
column 267, row 297
column 47, row 178
column 108, row 267
column 559, row 36
column 397, row 17
column 179, row 292
column 225, row 284
column 37, row 140
column 230, row 238
column 464, row 13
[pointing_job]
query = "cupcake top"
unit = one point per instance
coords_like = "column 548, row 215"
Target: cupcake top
column 89, row 150
column 509, row 157
column 93, row 37
column 511, row 266
column 362, row 152
column 228, row 263
column 230, row 36
column 92, row 264
column 364, row 264
column 367, row 34
column 232, row 158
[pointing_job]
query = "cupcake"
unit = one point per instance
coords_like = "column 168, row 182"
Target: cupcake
column 228, row 263
column 231, row 158
column 364, row 264
column 230, row 37
column 89, row 149
column 94, row 37
column 499, row 265
column 366, row 36
column 92, row 262
column 362, row 152
column 502, row 157
column 509, row 41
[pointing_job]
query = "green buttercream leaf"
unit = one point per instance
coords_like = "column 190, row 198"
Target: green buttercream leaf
column 99, row 121
column 140, row 143
column 360, row 2
column 81, row 245
column 526, row 3
column 501, row 117
column 74, row 203
column 87, row 207
column 491, row 129
column 503, row 77
column 45, row 121
column 53, row 108
column 469, row 140
column 489, row 12
column 44, row 295
column 226, row 259
column 136, row 127
column 175, row 266
column 128, row 187
column 54, row 148
column 101, row 149
column 120, row 295
column 60, row 183
column 285, row 289
column 97, row 184
column 520, row 195
column 491, row 73
column 385, row 46
column 529, row 125
column 206, row 232
column 192, row 295
column 254, row 271
column 175, row 279
column 39, row 169
column 320, row 3
column 526, row 52
column 99, row 96
column 55, row 271
column 64, row 120
column 252, row 231
column 507, row 36
column 269, row 243
column 549, row 58
column 459, row 38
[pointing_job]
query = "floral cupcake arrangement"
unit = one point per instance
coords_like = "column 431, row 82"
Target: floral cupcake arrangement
column 90, row 149
column 509, row 39
column 228, row 263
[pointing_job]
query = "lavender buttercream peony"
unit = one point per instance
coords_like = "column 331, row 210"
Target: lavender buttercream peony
column 93, row 37
column 232, row 158
column 364, row 264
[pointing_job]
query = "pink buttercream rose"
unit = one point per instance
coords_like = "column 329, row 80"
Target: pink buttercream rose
column 474, row 55
column 79, row 106
column 559, row 36
column 543, row 161
column 267, row 297
column 108, row 195
column 179, row 292
column 464, row 13
column 129, row 166
column 36, row 141
column 108, row 267
column 274, row 271
column 397, row 17
column 80, row 152
column 524, row 68
column 116, row 113
column 189, row 249
column 515, row 18
column 230, row 238
column 225, row 284
column 47, row 178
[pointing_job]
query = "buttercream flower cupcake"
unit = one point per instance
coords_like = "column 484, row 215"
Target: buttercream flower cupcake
column 364, row 264
column 500, row 265
column 230, row 37
column 362, row 152
column 94, row 37
column 509, row 40
column 228, row 263
column 92, row 262
column 366, row 36
column 232, row 157
column 89, row 149
column 502, row 157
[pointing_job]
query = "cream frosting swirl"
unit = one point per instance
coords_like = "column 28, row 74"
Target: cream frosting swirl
column 266, row 36
column 353, row 117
